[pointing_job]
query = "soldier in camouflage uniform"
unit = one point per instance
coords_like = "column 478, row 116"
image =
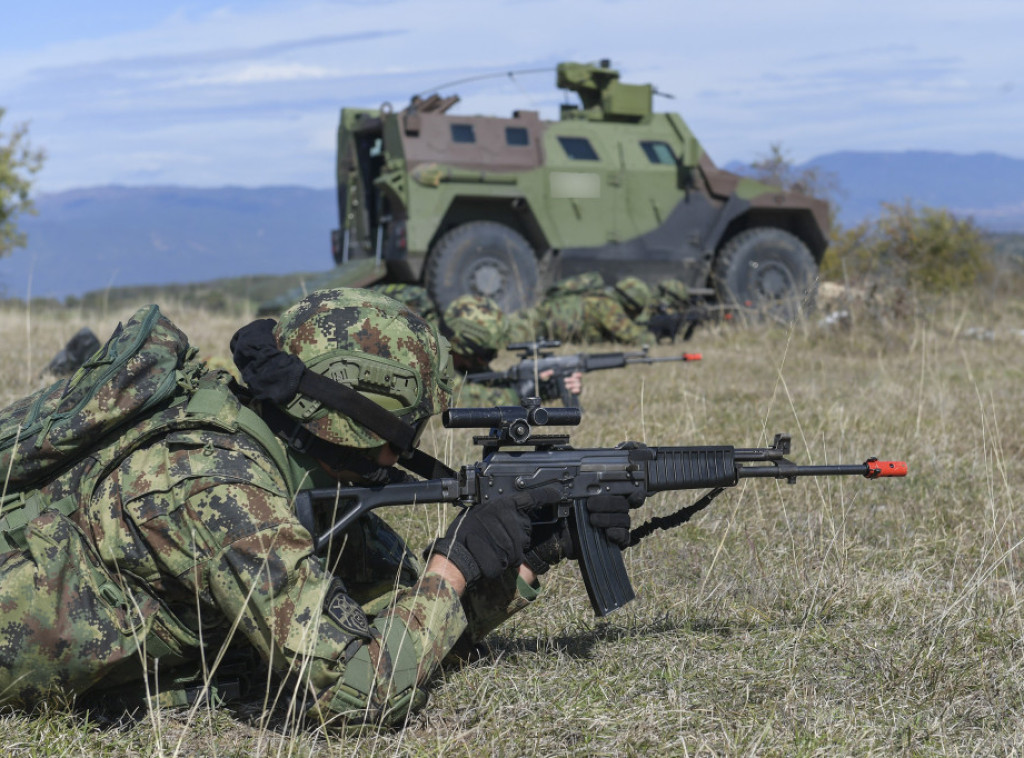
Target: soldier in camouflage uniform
column 477, row 329
column 611, row 314
column 416, row 298
column 189, row 546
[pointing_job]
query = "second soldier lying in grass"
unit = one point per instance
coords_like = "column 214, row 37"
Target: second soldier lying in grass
column 477, row 329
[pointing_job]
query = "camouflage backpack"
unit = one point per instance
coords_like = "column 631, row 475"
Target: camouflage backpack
column 146, row 370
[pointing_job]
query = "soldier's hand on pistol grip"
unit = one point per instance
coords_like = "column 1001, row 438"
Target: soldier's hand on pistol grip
column 552, row 543
column 485, row 540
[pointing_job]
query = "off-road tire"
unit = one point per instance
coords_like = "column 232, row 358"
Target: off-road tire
column 766, row 272
column 482, row 258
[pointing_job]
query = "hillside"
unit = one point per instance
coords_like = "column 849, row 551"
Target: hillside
column 90, row 239
column 987, row 186
column 85, row 240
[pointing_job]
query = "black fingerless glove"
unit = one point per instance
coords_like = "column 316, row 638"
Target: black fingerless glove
column 610, row 513
column 552, row 543
column 485, row 540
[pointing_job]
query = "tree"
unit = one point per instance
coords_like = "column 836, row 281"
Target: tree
column 777, row 168
column 18, row 163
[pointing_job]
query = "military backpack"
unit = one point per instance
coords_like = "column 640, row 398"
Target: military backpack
column 144, row 382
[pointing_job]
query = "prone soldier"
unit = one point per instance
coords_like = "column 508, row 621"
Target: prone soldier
column 478, row 329
column 602, row 314
column 187, row 543
column 673, row 311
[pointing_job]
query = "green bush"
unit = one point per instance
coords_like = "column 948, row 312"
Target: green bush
column 922, row 248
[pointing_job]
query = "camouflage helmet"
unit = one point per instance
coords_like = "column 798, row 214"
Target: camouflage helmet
column 674, row 292
column 633, row 293
column 475, row 326
column 375, row 345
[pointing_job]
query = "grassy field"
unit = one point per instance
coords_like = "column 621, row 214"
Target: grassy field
column 832, row 617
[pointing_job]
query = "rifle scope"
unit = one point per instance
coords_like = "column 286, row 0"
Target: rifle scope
column 517, row 420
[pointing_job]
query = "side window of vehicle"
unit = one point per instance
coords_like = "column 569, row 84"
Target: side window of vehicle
column 578, row 148
column 659, row 152
column 463, row 133
column 516, row 136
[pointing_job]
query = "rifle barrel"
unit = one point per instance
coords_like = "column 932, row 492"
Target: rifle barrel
column 870, row 469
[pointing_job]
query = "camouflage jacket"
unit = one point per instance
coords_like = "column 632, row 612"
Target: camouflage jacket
column 190, row 545
column 483, row 394
column 596, row 317
column 413, row 296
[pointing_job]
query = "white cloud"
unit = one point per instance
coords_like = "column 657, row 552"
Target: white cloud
column 260, row 73
column 226, row 83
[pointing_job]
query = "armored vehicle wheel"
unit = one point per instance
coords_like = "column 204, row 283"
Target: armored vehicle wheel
column 766, row 272
column 483, row 258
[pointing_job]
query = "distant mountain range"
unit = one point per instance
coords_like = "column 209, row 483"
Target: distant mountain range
column 89, row 239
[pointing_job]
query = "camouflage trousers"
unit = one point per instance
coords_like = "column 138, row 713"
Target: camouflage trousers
column 64, row 623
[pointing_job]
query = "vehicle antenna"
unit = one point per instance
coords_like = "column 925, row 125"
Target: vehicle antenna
column 478, row 77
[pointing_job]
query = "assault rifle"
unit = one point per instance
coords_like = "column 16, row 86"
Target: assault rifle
column 630, row 469
column 535, row 358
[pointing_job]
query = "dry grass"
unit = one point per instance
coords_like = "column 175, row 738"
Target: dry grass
column 833, row 617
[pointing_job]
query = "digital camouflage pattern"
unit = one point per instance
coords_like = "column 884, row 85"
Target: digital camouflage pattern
column 580, row 284
column 673, row 293
column 190, row 544
column 477, row 329
column 594, row 317
column 182, row 541
column 475, row 326
column 412, row 295
column 141, row 365
column 484, row 394
column 366, row 340
column 633, row 294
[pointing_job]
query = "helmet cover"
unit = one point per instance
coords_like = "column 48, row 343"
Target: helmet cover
column 633, row 293
column 373, row 344
column 475, row 325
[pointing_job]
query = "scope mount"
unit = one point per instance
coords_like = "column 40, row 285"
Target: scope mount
column 538, row 349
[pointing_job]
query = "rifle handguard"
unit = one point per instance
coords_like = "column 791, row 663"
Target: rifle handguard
column 675, row 468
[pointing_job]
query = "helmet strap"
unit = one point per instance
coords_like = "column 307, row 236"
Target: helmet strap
column 344, row 458
column 273, row 374
column 342, row 398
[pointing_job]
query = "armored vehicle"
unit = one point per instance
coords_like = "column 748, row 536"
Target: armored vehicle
column 503, row 206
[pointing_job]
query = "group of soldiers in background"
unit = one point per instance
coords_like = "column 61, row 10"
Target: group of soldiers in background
column 580, row 309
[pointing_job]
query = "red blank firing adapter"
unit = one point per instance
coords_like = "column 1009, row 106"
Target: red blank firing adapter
column 877, row 468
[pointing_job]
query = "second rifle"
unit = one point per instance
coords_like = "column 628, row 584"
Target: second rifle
column 536, row 358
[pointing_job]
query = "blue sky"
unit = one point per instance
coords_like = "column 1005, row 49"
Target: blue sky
column 208, row 94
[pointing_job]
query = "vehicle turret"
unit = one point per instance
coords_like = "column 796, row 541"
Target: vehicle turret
column 604, row 97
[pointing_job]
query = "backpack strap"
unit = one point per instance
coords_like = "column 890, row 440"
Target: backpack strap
column 210, row 401
column 18, row 508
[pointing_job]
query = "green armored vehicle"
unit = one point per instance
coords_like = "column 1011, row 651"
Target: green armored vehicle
column 504, row 206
